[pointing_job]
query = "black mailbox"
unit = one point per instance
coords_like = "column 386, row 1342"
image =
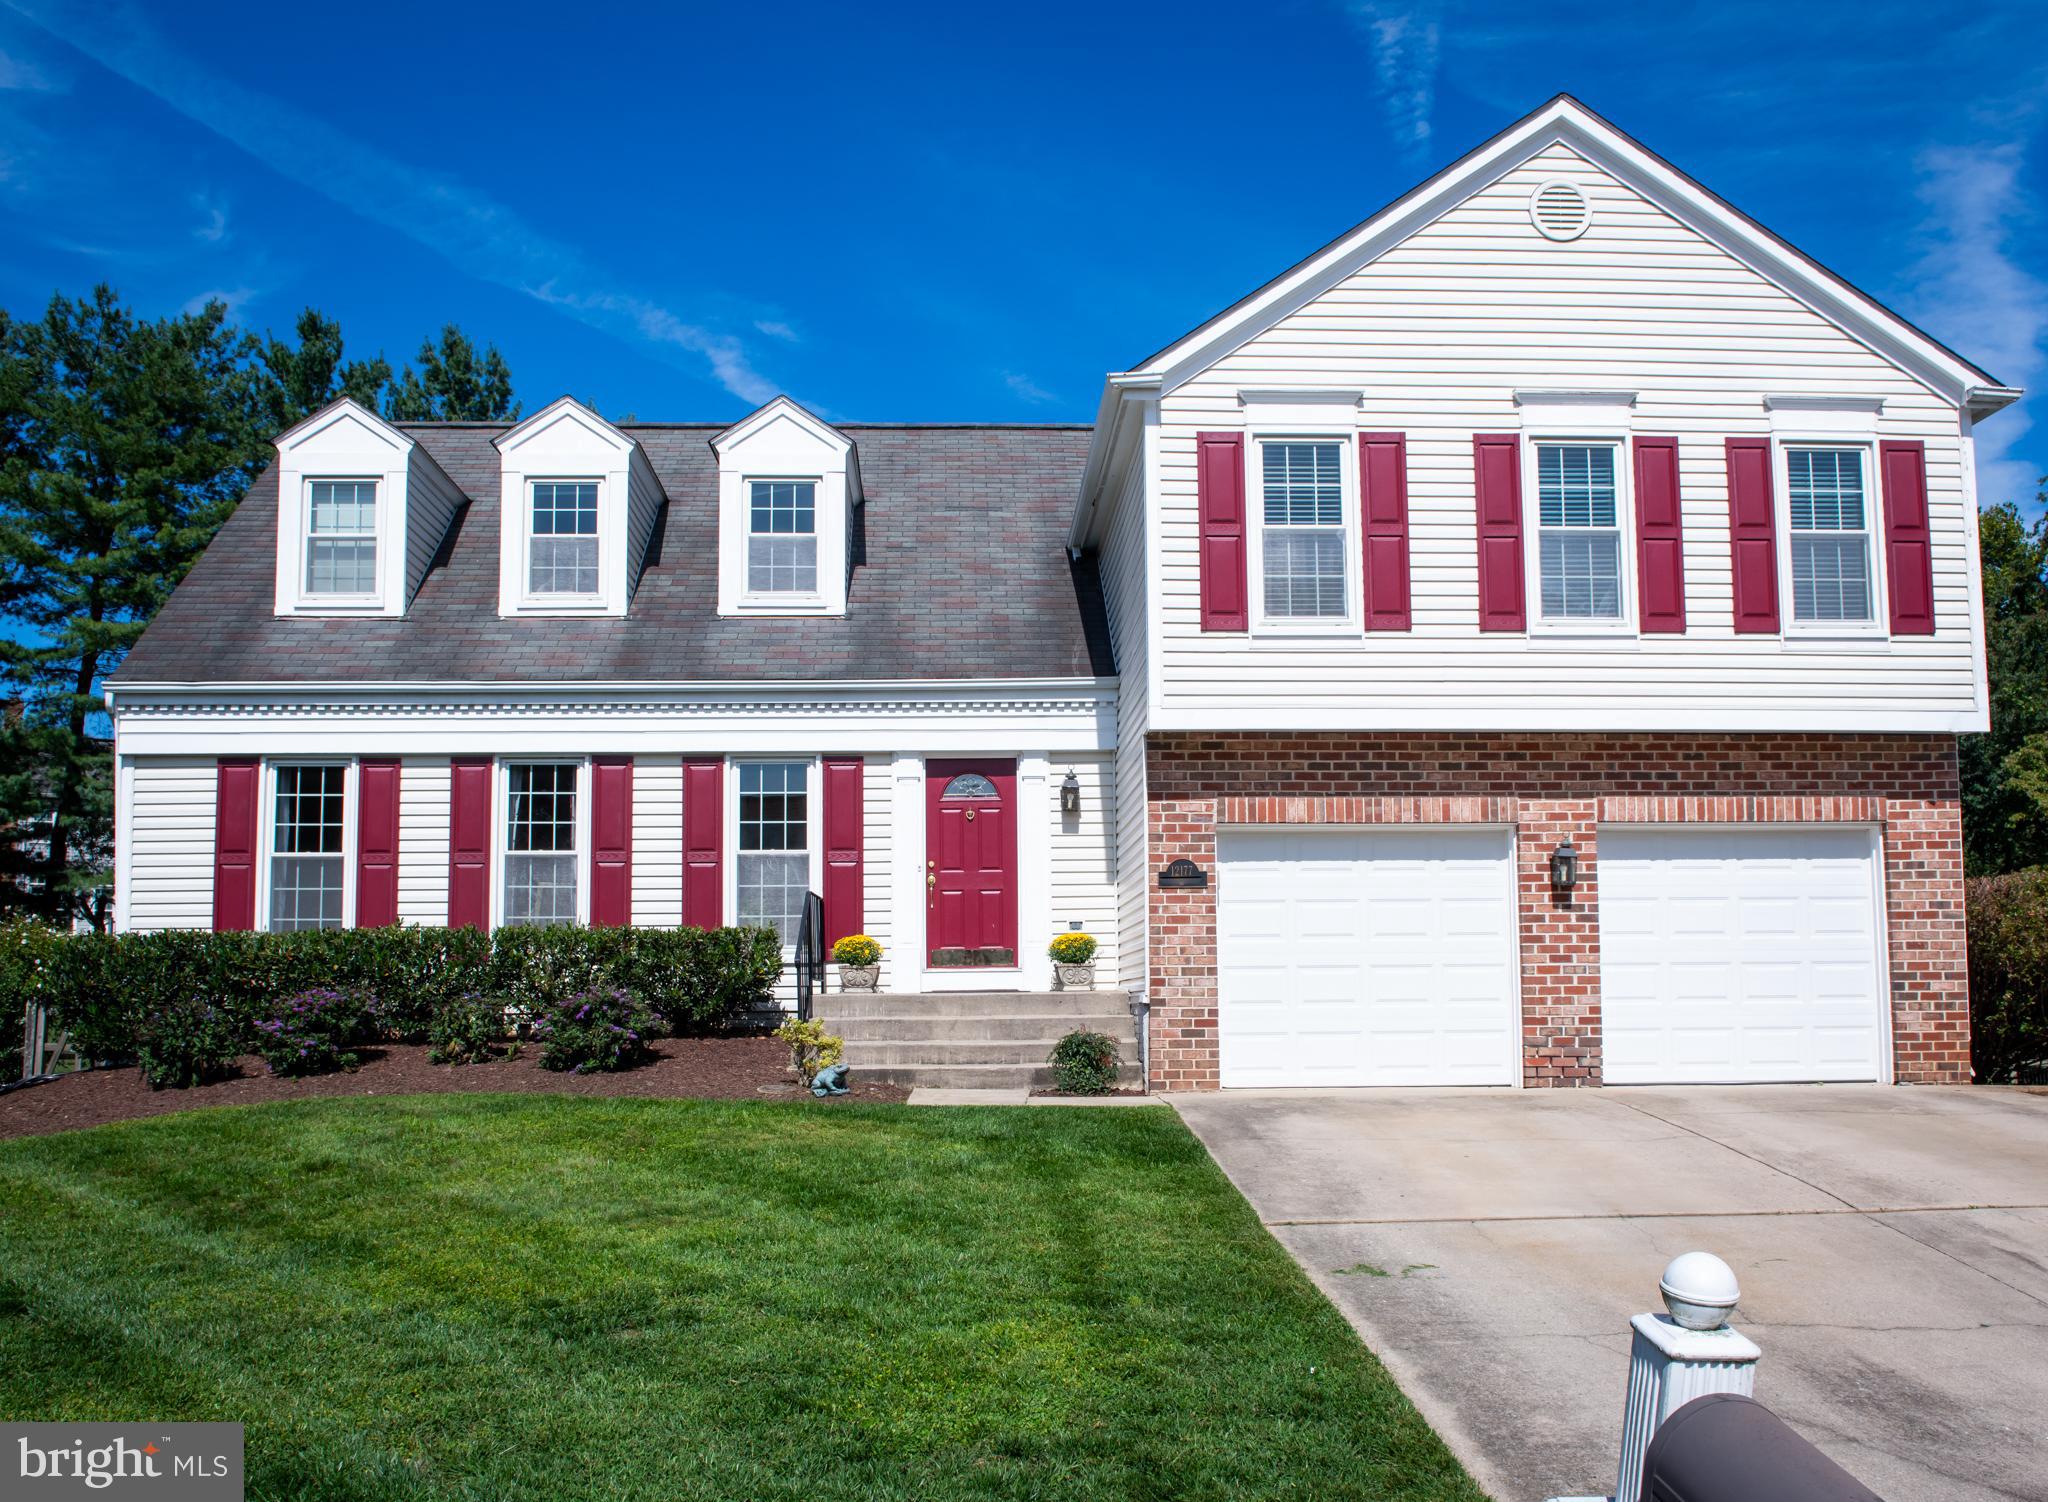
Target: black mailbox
column 1725, row 1448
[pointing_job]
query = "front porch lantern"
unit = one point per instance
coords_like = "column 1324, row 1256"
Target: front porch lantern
column 1070, row 795
column 1564, row 867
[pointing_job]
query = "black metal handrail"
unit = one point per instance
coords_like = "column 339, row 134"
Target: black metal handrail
column 810, row 952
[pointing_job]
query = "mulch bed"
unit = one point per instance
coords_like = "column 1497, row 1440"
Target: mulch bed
column 686, row 1069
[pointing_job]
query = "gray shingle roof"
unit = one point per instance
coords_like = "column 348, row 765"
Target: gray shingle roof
column 963, row 574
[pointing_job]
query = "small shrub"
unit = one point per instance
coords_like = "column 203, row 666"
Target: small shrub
column 187, row 1042
column 1072, row 949
column 595, row 1031
column 315, row 1032
column 811, row 1048
column 2008, row 920
column 857, row 949
column 467, row 1030
column 1084, row 1063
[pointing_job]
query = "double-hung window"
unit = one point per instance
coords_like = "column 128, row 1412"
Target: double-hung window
column 774, row 861
column 540, row 843
column 1830, row 536
column 1578, row 548
column 306, row 857
column 562, row 557
column 341, row 537
column 782, row 537
column 1302, row 536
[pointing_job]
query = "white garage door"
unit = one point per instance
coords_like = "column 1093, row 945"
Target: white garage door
column 1739, row 955
column 1366, row 957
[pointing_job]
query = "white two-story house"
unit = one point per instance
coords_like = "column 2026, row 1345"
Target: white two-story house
column 1523, row 643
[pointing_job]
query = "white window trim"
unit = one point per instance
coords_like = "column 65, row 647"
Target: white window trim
column 581, row 602
column 814, row 826
column 1878, row 627
column 1352, row 623
column 771, row 601
column 501, row 811
column 1624, row 524
column 266, row 840
column 368, row 600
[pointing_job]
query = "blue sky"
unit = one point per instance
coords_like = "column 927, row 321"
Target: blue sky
column 961, row 212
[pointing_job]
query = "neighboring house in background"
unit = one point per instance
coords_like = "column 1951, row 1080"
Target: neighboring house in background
column 1558, row 503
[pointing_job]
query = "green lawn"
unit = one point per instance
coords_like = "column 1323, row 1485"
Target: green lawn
column 534, row 1297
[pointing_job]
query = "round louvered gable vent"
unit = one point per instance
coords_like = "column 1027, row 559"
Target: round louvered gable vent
column 1560, row 210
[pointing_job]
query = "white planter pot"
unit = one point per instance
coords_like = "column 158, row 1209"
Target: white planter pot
column 859, row 977
column 1076, row 977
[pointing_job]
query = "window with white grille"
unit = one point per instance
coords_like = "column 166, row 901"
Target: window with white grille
column 1579, row 555
column 341, row 537
column 774, row 862
column 782, row 537
column 1302, row 536
column 1830, row 535
column 563, row 548
column 306, row 855
column 540, row 843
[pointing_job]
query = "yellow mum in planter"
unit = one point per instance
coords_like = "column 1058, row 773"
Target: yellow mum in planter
column 1072, row 949
column 857, row 949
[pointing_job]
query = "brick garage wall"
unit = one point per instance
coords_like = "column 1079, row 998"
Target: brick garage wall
column 1551, row 787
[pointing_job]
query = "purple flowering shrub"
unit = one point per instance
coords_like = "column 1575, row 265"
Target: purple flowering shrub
column 314, row 1032
column 601, row 1029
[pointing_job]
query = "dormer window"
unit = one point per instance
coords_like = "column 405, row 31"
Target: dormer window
column 788, row 486
column 562, row 552
column 341, row 537
column 782, row 537
column 580, row 500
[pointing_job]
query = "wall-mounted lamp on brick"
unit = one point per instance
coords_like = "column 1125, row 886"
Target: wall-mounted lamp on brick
column 1070, row 795
column 1564, row 867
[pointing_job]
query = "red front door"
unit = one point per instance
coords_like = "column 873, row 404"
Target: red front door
column 971, row 863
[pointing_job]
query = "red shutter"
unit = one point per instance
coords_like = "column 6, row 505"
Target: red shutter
column 1497, row 493
column 236, row 795
column 843, row 819
column 469, row 845
column 1383, row 508
column 1660, row 536
column 1219, row 481
column 703, row 843
column 377, row 844
column 1752, row 535
column 611, row 841
column 1908, row 547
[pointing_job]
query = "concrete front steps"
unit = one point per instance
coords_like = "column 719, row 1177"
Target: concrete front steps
column 972, row 1040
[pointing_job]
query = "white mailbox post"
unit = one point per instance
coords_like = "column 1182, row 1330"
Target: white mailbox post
column 1684, row 1353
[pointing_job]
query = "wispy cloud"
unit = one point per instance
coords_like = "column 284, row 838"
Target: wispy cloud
column 775, row 328
column 19, row 74
column 213, row 220
column 1970, row 290
column 1405, row 41
column 472, row 231
column 236, row 298
column 1025, row 389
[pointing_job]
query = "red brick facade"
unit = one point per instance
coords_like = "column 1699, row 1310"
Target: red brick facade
column 1548, row 787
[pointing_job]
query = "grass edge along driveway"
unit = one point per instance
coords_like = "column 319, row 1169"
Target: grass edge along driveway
column 514, row 1297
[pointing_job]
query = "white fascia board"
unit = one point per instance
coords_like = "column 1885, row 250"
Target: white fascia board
column 769, row 411
column 1109, row 451
column 1072, row 714
column 1701, row 720
column 1565, row 121
column 563, row 409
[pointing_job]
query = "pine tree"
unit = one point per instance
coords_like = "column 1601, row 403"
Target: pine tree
column 123, row 446
column 313, row 375
column 454, row 383
column 2005, row 773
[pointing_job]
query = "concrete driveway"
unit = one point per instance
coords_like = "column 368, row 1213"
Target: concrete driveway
column 1892, row 1246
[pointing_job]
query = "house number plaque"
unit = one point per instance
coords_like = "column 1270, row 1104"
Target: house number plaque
column 1182, row 875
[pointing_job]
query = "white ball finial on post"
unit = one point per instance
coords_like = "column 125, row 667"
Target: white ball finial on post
column 1685, row 1353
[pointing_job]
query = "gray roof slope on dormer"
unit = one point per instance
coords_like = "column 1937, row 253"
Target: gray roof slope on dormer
column 962, row 574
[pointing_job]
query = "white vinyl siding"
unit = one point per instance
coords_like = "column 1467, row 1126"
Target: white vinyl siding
column 878, row 858
column 1125, row 591
column 643, row 512
column 431, row 501
column 170, row 838
column 1439, row 333
column 1084, row 865
column 1830, row 535
column 658, row 841
column 423, row 789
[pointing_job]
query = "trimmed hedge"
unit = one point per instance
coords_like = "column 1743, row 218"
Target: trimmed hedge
column 102, row 986
column 2009, row 975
